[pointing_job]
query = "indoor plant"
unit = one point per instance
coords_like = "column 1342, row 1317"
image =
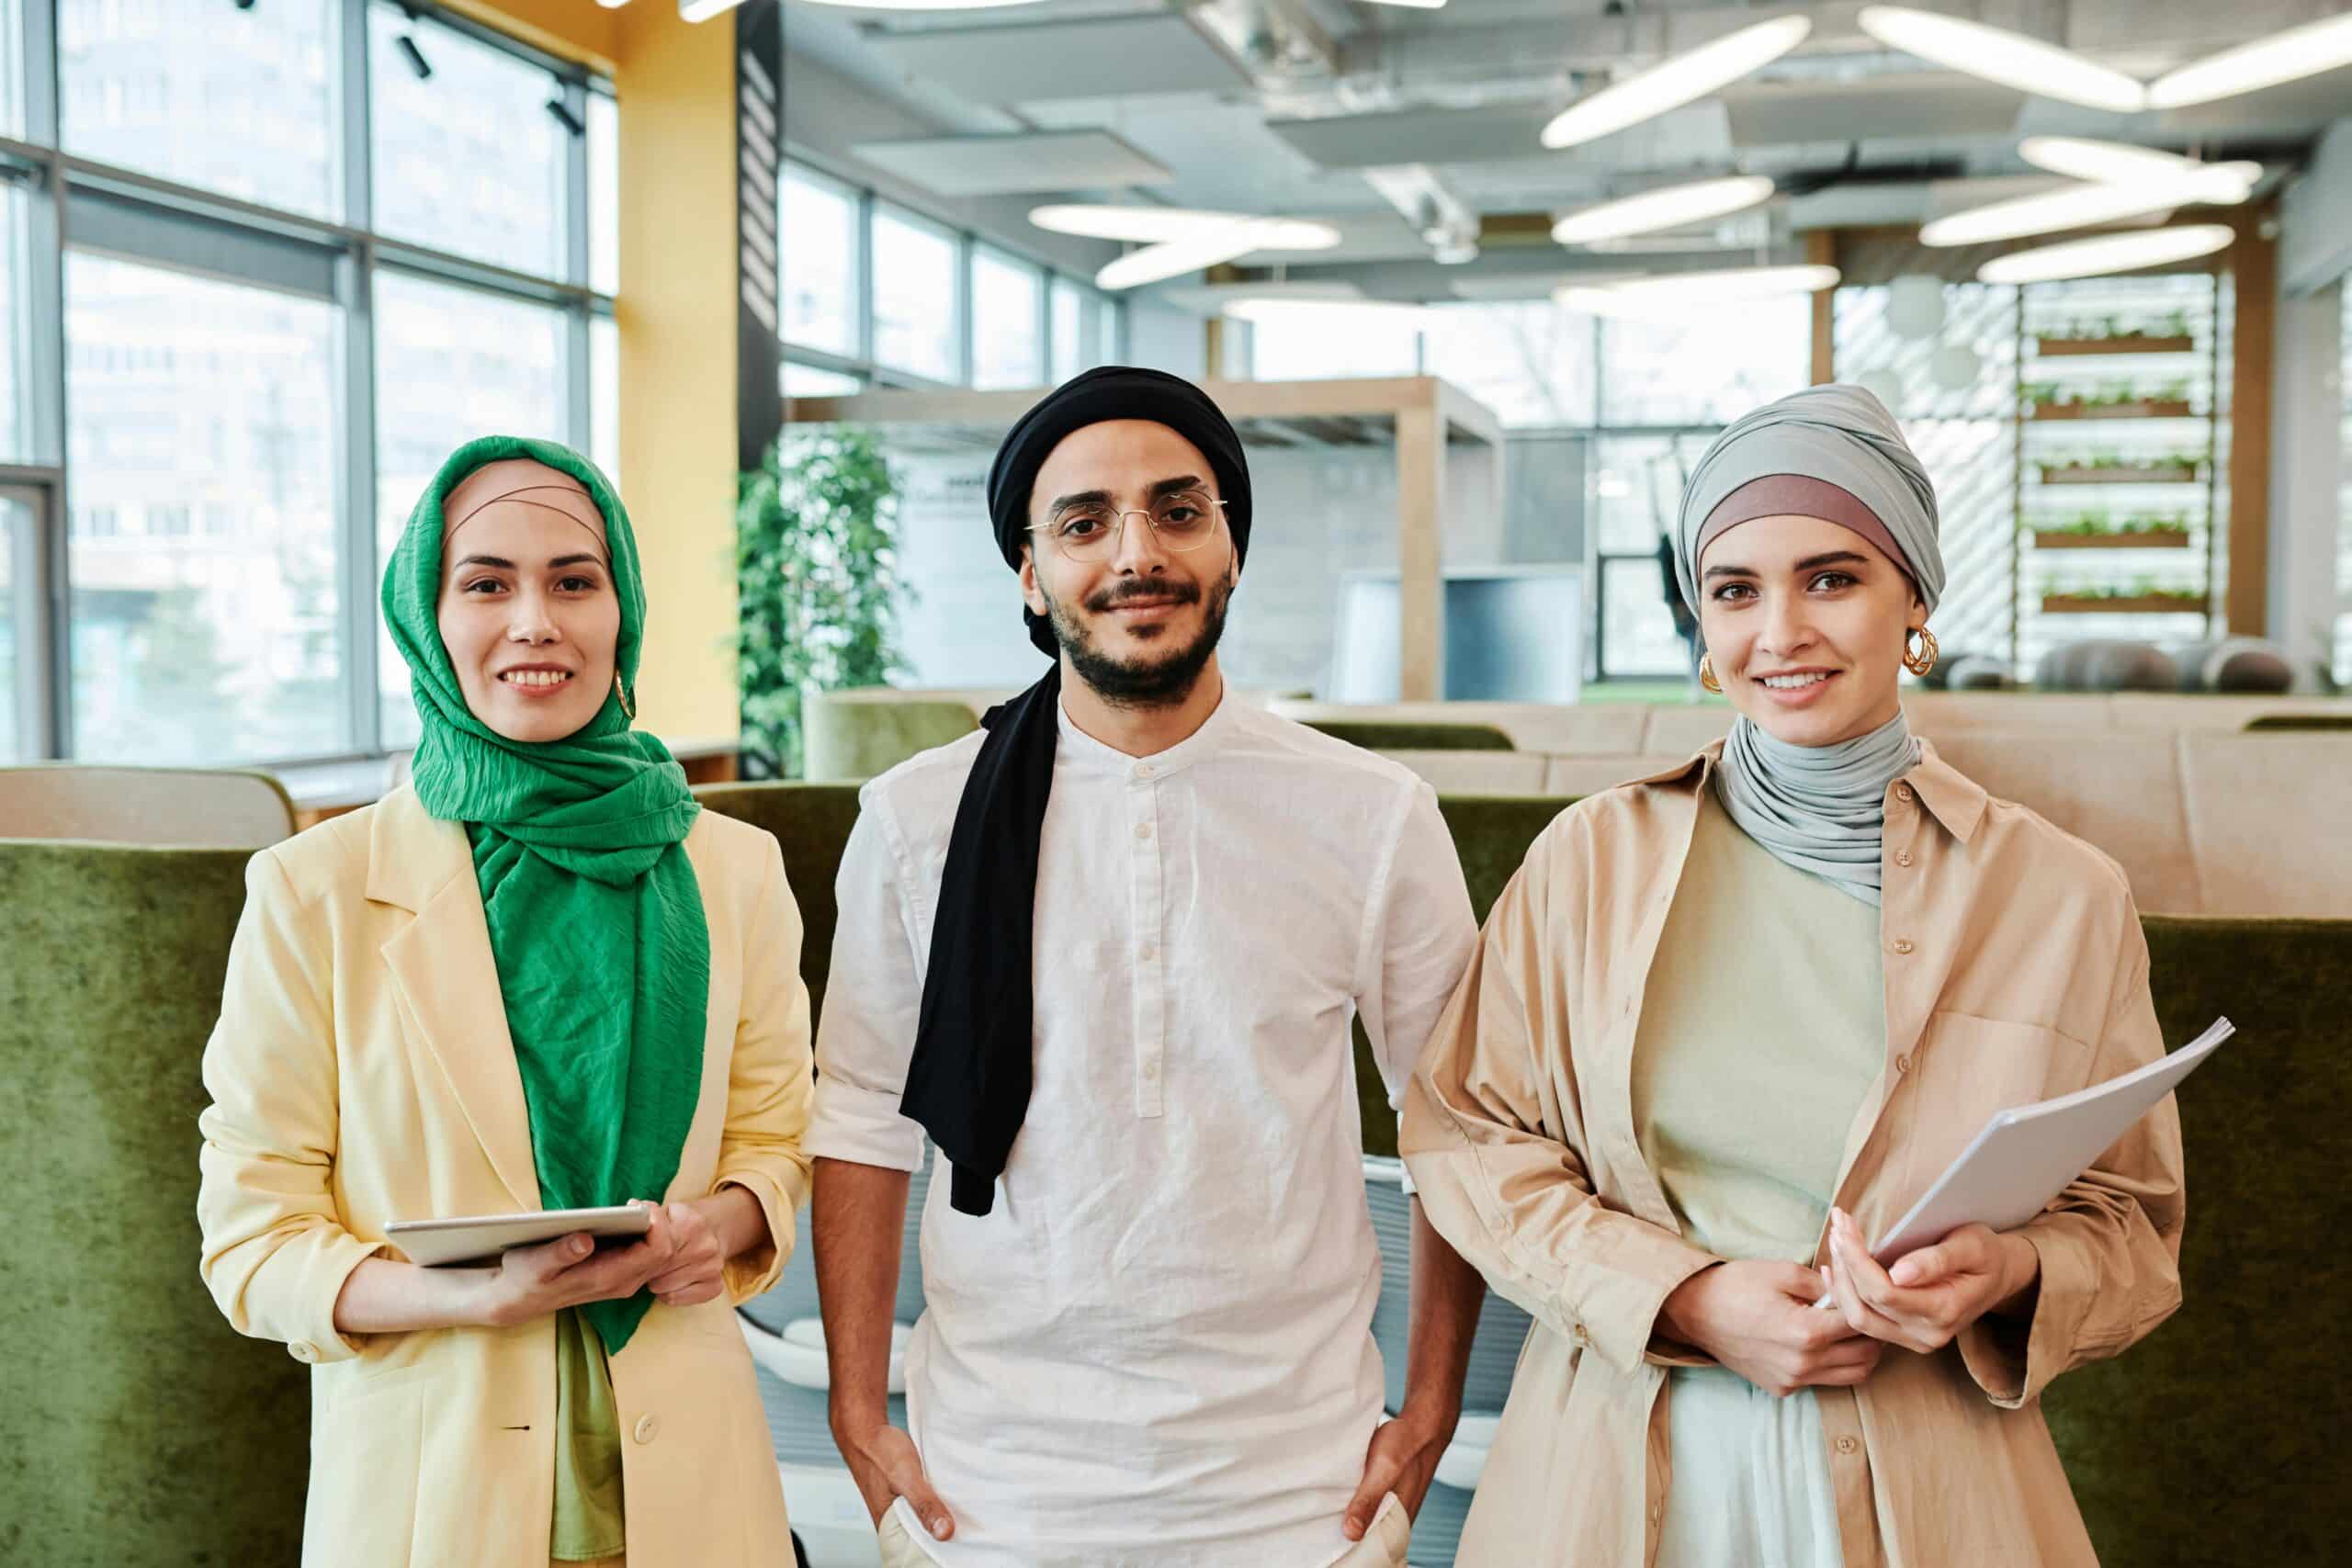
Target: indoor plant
column 816, row 573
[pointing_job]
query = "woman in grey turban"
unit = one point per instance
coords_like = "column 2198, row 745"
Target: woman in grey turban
column 1725, row 1027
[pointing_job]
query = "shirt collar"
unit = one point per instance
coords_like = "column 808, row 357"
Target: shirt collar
column 1077, row 746
column 1951, row 796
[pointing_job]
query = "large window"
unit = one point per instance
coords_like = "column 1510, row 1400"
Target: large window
column 467, row 159
column 1529, row 361
column 451, row 363
column 17, row 520
column 1306, row 345
column 205, row 557
column 874, row 294
column 252, row 399
column 819, row 261
column 238, row 101
column 1008, row 331
column 915, row 326
column 1706, row 365
column 16, row 345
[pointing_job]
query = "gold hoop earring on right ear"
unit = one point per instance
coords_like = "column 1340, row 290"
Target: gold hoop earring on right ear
column 1922, row 659
column 1707, row 674
column 622, row 692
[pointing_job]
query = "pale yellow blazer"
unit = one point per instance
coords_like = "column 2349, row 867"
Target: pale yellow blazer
column 362, row 1073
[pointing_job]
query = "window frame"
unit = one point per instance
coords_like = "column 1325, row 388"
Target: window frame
column 1097, row 307
column 149, row 220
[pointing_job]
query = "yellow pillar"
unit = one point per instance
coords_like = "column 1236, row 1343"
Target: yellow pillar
column 676, row 315
column 675, row 312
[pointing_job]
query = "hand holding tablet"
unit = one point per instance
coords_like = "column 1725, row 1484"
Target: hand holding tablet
column 482, row 1238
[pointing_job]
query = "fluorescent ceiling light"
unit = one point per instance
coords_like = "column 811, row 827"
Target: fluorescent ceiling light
column 2080, row 158
column 1160, row 225
column 1671, row 208
column 1672, row 82
column 2011, row 59
column 2283, row 57
column 714, row 7
column 1410, row 4
column 703, row 10
column 1677, row 293
column 2083, row 206
column 1173, row 258
column 2110, row 252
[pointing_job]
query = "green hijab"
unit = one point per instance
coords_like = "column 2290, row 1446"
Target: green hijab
column 596, row 920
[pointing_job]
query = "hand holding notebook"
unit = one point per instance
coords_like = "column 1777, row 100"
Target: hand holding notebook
column 2027, row 1154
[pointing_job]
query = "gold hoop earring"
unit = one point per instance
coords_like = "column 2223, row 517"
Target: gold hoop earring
column 1707, row 674
column 622, row 692
column 1920, row 662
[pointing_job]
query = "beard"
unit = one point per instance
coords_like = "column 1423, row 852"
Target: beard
column 1153, row 680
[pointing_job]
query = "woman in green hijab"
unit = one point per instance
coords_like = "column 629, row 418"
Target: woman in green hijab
column 537, row 977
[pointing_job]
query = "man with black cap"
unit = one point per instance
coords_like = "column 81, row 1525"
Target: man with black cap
column 1106, row 954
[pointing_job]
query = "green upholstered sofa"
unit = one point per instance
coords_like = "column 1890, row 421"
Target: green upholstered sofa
column 153, row 1433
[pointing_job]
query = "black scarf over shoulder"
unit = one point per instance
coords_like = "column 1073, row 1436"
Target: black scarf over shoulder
column 969, row 1079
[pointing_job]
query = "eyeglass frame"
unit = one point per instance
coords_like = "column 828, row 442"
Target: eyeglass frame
column 1119, row 534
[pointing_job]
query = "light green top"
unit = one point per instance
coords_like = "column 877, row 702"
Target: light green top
column 588, row 1516
column 1763, row 1026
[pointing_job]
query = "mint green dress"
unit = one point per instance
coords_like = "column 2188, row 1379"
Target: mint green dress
column 1762, row 1029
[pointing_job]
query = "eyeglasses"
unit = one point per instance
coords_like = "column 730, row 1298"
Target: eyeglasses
column 1091, row 530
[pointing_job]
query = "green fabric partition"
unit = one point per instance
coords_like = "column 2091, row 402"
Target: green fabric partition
column 810, row 822
column 2277, row 721
column 154, row 1434
column 147, row 1430
column 2209, row 1441
column 852, row 735
column 1380, row 735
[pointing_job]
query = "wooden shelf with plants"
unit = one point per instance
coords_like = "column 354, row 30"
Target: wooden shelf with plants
column 2123, row 604
column 2065, row 347
column 2115, row 471
column 2130, row 535
column 2115, row 387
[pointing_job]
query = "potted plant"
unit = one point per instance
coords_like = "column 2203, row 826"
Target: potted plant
column 816, row 573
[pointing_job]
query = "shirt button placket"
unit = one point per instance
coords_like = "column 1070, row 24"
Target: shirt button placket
column 1150, row 992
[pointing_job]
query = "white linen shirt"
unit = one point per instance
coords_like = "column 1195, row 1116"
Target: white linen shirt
column 1157, row 1347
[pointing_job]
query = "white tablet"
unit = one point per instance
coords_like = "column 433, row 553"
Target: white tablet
column 480, row 1238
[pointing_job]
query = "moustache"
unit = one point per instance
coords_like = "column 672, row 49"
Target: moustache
column 1173, row 593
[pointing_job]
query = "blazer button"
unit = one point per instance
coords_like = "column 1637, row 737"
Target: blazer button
column 647, row 1428
column 1848, row 1445
column 1903, row 946
column 1579, row 1335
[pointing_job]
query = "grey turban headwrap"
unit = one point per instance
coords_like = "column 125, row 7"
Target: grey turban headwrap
column 1832, row 452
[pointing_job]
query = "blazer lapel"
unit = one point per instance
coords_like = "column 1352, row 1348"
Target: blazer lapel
column 448, row 981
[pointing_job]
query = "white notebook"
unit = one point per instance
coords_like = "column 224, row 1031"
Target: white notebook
column 2027, row 1155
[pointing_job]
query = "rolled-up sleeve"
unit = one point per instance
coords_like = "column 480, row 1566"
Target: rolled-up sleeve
column 2109, row 1245
column 275, row 1252
column 873, row 1001
column 763, row 1148
column 1494, row 1137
